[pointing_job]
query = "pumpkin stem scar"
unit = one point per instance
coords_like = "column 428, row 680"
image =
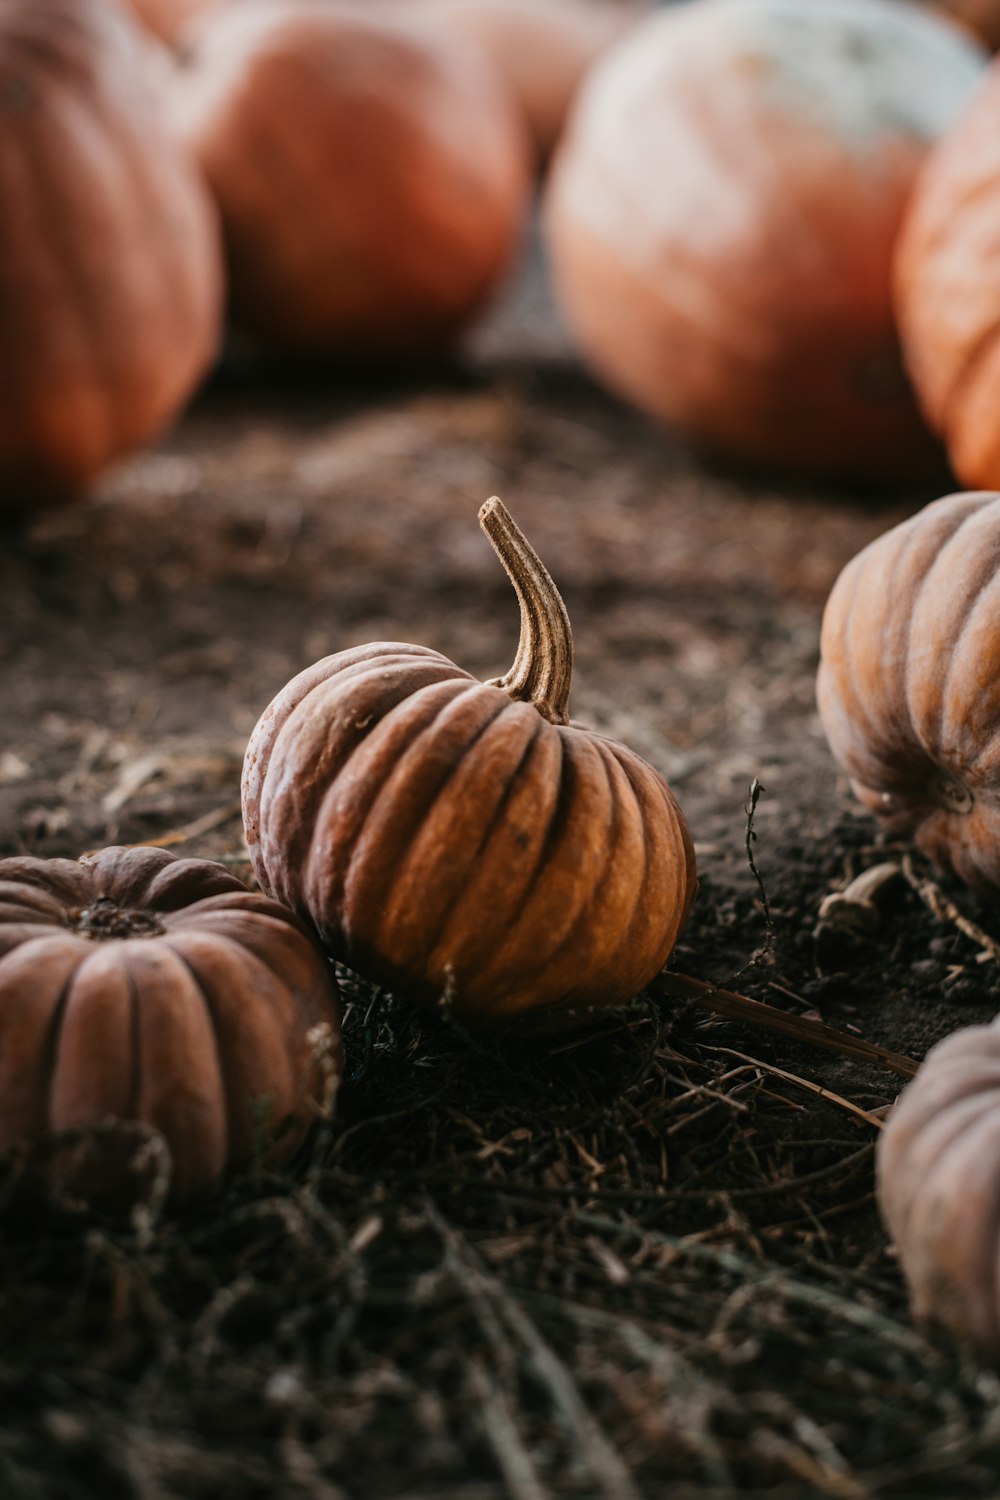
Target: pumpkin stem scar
column 542, row 672
column 105, row 921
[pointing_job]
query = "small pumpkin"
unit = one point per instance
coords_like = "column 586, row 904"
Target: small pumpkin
column 463, row 841
column 948, row 288
column 110, row 268
column 909, row 681
column 938, row 1181
column 542, row 48
column 722, row 212
column 135, row 986
column 370, row 169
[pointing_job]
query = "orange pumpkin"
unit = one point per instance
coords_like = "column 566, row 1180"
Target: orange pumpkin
column 939, row 1184
column 370, row 169
column 110, row 273
column 722, row 212
column 909, row 681
column 542, row 48
column 462, row 841
column 948, row 288
column 136, row 987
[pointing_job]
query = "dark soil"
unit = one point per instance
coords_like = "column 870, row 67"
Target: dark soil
column 643, row 1261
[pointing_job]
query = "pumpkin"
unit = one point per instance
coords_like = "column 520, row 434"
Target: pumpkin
column 462, row 841
column 110, row 270
column 138, row 987
column 948, row 288
column 168, row 18
column 909, row 681
column 721, row 216
column 542, row 48
column 938, row 1183
column 370, row 169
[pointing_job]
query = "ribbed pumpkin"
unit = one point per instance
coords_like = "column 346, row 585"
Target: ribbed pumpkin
column 110, row 269
column 939, row 1184
column 462, row 841
column 135, row 986
column 909, row 681
column 370, row 168
column 542, row 48
column 722, row 213
column 948, row 288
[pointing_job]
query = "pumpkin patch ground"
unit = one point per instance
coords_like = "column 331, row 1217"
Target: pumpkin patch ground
column 644, row 1260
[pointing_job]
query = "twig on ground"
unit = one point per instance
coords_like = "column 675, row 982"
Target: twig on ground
column 946, row 911
column 799, row 1028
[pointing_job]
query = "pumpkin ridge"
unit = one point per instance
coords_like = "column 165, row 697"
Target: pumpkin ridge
column 50, row 1057
column 436, row 937
column 845, row 672
column 287, row 703
column 547, row 956
column 458, row 917
column 557, row 820
column 933, row 740
column 135, row 1040
column 285, row 757
column 319, row 815
column 171, row 942
column 258, row 1013
column 612, row 840
column 640, row 913
column 412, row 754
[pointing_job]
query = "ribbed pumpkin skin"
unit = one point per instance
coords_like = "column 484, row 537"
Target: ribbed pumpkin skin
column 939, row 1184
column 947, row 277
column 909, row 681
column 370, row 169
column 722, row 212
column 110, row 266
column 197, row 1020
column 451, row 843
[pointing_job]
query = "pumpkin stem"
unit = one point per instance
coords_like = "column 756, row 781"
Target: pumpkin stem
column 543, row 667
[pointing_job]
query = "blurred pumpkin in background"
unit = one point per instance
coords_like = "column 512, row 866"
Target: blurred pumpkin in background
column 370, row 169
column 948, row 289
column 542, row 48
column 722, row 214
column 110, row 271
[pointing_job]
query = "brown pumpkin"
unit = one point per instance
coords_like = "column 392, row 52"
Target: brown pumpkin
column 138, row 987
column 939, row 1184
column 370, row 169
column 722, row 212
column 542, row 48
column 460, row 840
column 948, row 288
column 909, row 681
column 110, row 271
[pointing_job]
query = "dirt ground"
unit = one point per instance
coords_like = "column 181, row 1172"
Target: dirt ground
column 643, row 1262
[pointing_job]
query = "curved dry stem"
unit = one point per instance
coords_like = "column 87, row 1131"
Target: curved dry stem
column 542, row 672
